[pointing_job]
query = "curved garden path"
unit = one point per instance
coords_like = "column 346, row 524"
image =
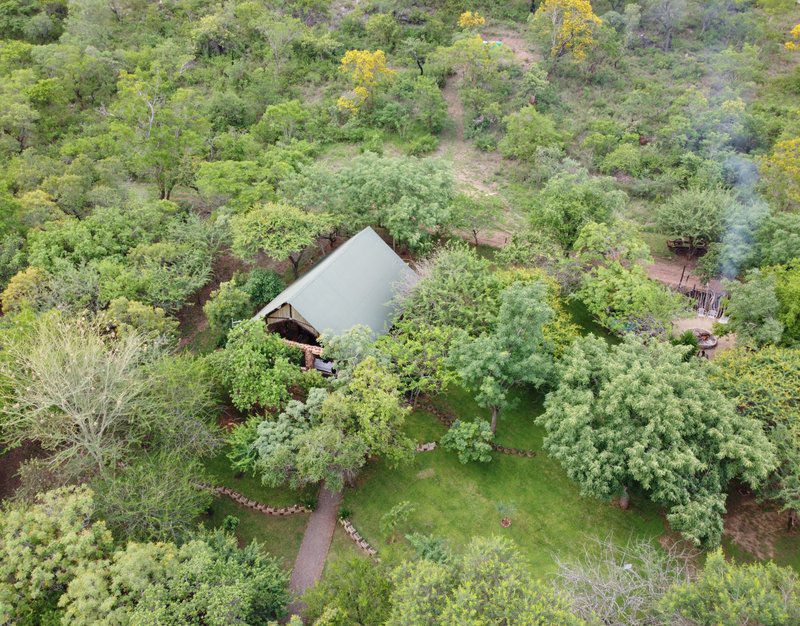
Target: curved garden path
column 314, row 548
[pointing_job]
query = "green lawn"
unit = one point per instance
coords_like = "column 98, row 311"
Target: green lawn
column 458, row 501
column 279, row 536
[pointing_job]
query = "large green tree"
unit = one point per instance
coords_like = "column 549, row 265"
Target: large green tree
column 516, row 352
column 411, row 198
column 763, row 385
column 280, row 231
column 256, row 367
column 695, row 214
column 329, row 438
column 570, row 200
column 207, row 580
column 732, row 594
column 638, row 415
column 43, row 546
column 488, row 584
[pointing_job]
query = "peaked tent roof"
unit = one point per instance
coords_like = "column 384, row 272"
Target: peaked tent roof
column 355, row 284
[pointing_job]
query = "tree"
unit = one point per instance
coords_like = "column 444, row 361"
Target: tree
column 527, row 130
column 621, row 584
column 410, row 197
column 262, row 285
column 488, row 584
column 471, row 440
column 43, row 546
column 206, row 580
column 457, row 289
column 282, row 121
column 366, row 70
column 396, row 517
column 638, row 415
column 82, row 398
column 280, row 231
column 787, row 290
column 625, row 299
column 154, row 498
column 329, row 438
column 123, row 316
column 761, row 384
column 753, row 310
column 729, row 594
column 160, row 129
column 570, row 200
column 794, row 42
column 600, row 244
column 778, row 239
column 517, row 351
column 358, row 588
column 695, row 214
column 419, row 357
column 668, row 15
column 567, row 25
column 470, row 20
column 256, row 366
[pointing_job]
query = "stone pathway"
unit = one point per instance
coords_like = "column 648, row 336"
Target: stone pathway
column 314, row 548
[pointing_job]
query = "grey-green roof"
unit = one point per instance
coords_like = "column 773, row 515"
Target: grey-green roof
column 354, row 284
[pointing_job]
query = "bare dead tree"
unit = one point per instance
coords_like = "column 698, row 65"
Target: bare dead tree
column 621, row 584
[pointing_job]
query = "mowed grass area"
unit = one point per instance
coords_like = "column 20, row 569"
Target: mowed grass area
column 457, row 502
column 278, row 536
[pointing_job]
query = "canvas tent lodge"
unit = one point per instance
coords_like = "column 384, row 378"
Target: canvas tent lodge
column 354, row 285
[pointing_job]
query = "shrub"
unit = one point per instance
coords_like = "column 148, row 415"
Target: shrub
column 422, row 144
column 624, row 159
column 262, row 285
column 470, row 440
column 526, row 131
column 227, row 305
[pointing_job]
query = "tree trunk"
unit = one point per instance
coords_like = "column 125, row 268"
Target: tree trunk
column 791, row 522
column 295, row 266
column 625, row 499
column 494, row 420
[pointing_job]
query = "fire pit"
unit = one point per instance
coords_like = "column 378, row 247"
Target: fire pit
column 705, row 340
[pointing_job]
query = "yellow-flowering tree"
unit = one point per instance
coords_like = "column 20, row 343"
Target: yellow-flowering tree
column 783, row 168
column 568, row 26
column 794, row 42
column 366, row 70
column 470, row 19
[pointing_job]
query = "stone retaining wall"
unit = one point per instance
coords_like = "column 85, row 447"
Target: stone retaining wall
column 258, row 506
column 357, row 538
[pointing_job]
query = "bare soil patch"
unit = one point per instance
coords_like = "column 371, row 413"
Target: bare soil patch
column 754, row 527
column 669, row 272
column 10, row 463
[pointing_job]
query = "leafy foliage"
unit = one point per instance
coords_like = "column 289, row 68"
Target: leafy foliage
column 488, row 582
column 516, row 352
column 44, row 545
column 639, row 415
column 624, row 299
column 207, row 579
column 256, row 366
column 279, row 231
column 729, row 593
column 471, row 440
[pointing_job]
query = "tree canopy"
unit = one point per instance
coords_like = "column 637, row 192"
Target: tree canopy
column 638, row 416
